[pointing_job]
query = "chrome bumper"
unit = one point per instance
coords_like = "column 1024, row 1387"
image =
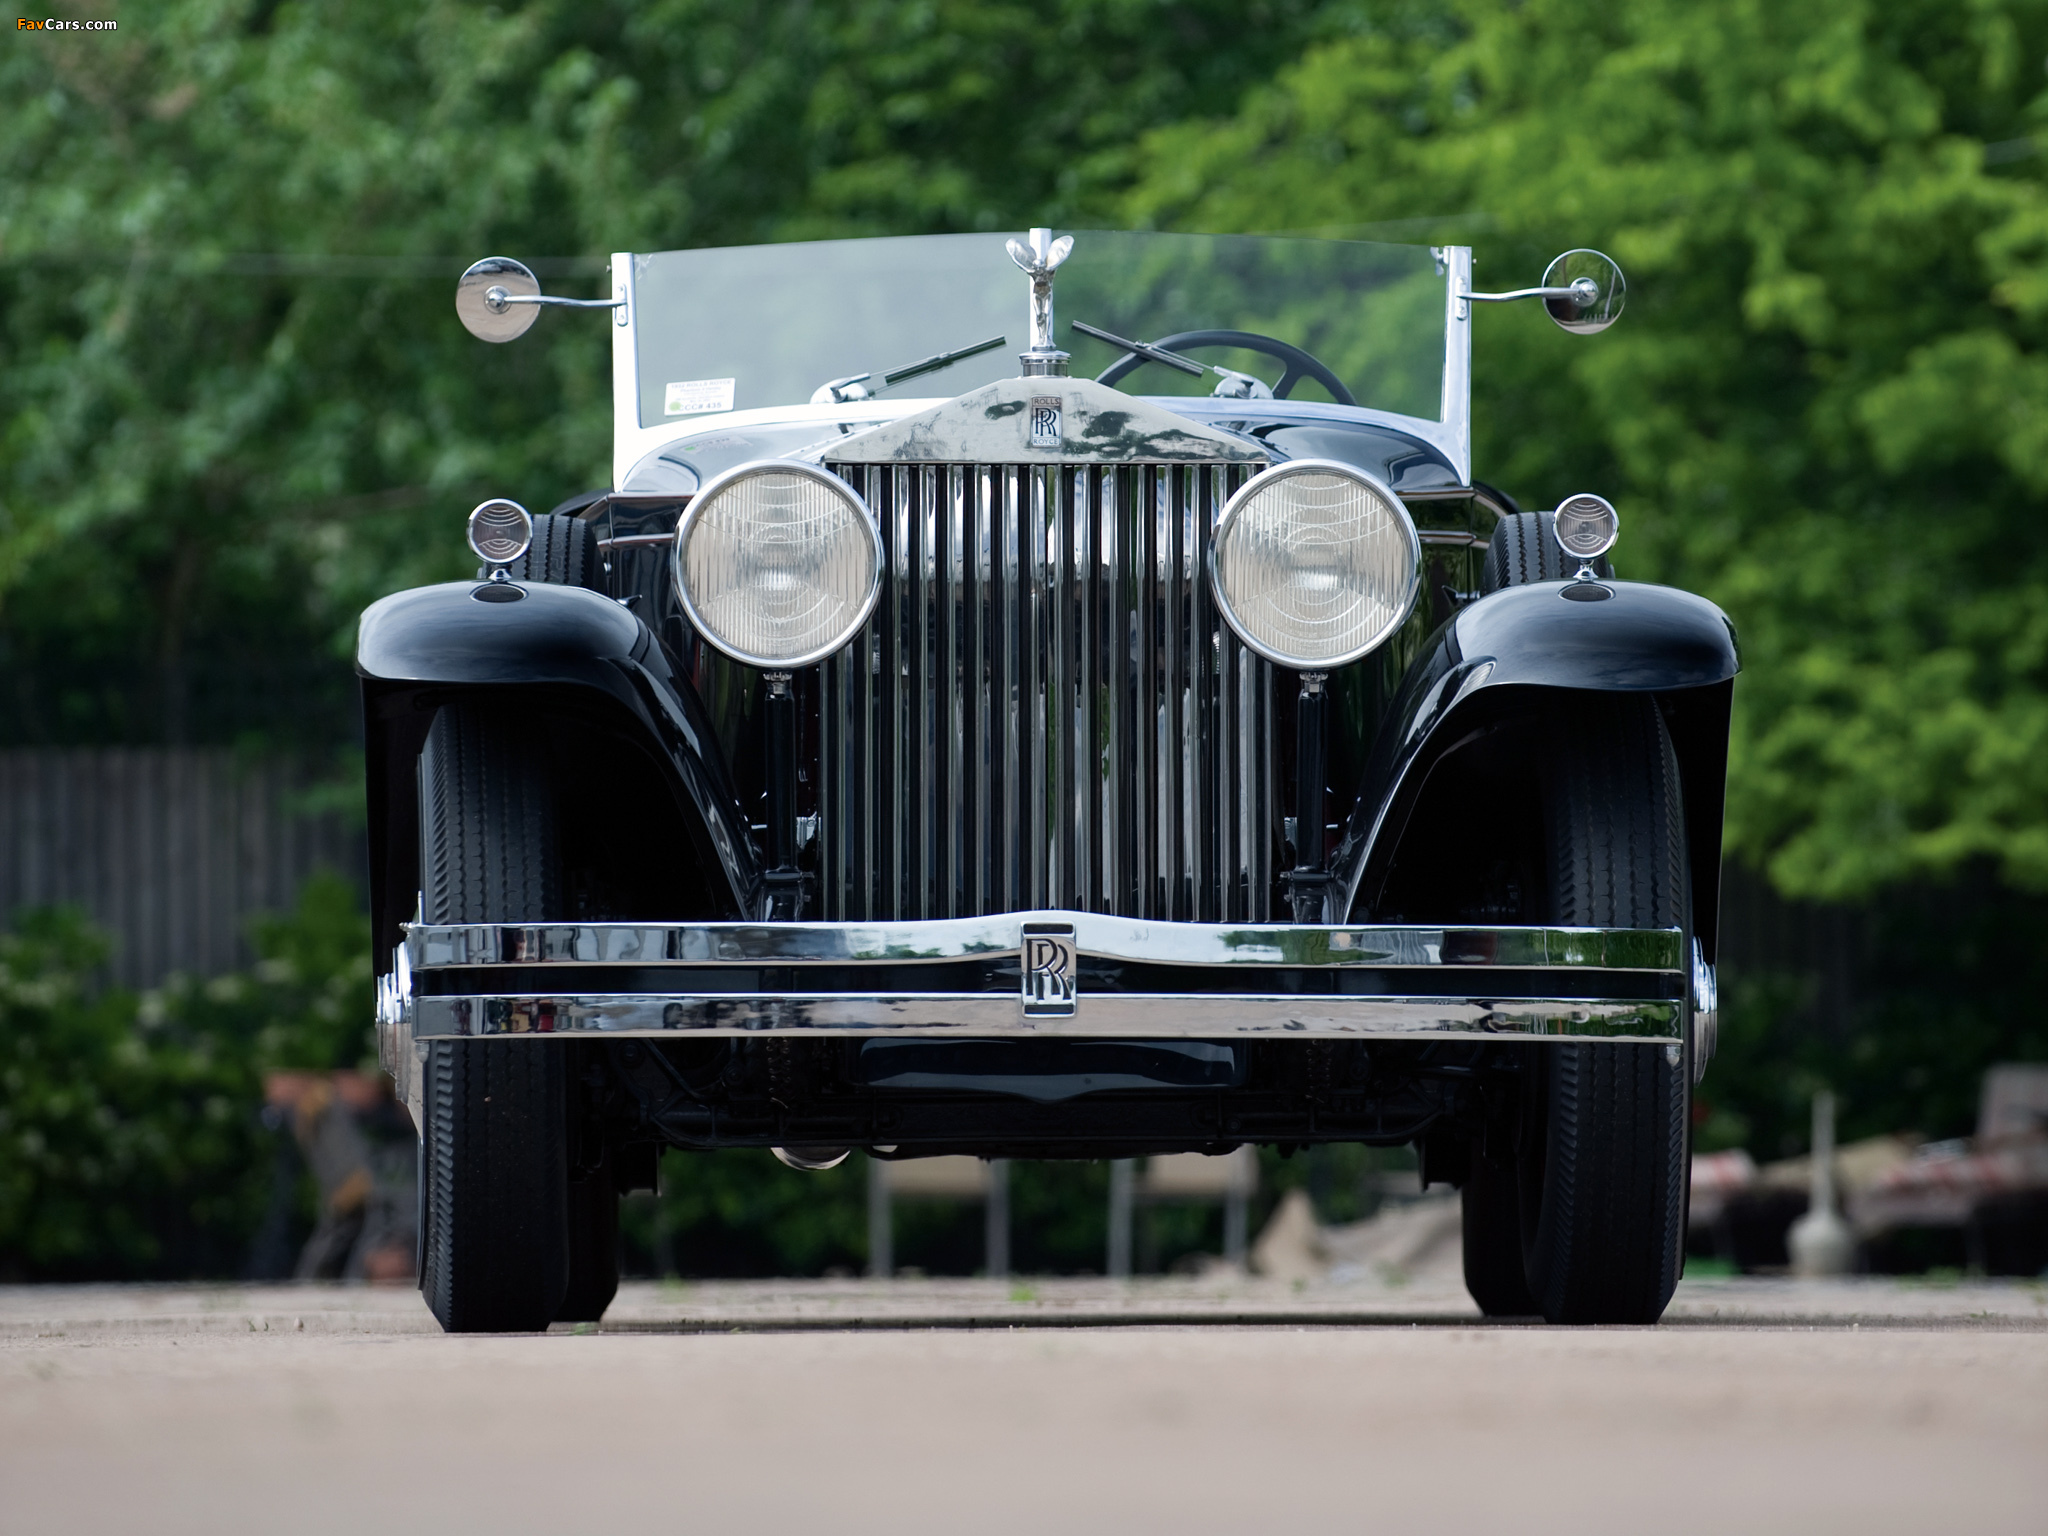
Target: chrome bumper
column 1035, row 974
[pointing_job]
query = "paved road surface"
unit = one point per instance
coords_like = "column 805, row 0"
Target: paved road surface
column 1176, row 1407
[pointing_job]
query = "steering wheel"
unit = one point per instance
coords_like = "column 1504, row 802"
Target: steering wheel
column 1297, row 363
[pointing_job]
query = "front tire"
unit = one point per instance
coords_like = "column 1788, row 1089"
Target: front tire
column 593, row 1209
column 496, row 1240
column 1491, row 1209
column 1604, row 1172
column 1610, row 1223
column 497, row 1254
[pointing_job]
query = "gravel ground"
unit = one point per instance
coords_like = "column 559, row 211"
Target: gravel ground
column 910, row 1406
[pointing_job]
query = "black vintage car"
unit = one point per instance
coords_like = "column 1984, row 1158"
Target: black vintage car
column 1043, row 765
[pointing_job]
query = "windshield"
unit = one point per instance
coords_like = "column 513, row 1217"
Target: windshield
column 742, row 327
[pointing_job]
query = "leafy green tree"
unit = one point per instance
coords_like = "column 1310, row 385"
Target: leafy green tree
column 234, row 407
column 235, row 404
column 1827, row 406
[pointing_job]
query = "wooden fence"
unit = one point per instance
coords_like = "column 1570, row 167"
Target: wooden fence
column 172, row 850
column 1829, row 947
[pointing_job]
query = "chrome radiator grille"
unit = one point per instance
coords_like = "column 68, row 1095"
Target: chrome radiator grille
column 1046, row 709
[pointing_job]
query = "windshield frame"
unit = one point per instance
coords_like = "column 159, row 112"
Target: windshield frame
column 1450, row 433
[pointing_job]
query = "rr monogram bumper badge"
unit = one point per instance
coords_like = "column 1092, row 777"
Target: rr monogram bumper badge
column 1051, row 970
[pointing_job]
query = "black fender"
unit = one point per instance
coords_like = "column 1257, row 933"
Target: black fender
column 417, row 649
column 1489, row 659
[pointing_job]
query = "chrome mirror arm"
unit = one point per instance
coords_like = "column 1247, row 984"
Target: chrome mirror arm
column 1589, row 302
column 495, row 299
column 1580, row 291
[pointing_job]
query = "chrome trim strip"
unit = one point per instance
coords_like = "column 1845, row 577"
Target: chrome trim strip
column 432, row 946
column 1125, row 1016
column 1456, row 410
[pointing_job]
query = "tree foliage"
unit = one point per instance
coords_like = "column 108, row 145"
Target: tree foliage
column 234, row 401
column 1827, row 406
column 131, row 1143
column 235, row 405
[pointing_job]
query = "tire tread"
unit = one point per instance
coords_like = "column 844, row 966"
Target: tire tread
column 1490, row 1219
column 1607, row 1244
column 1524, row 549
column 564, row 551
column 495, row 1255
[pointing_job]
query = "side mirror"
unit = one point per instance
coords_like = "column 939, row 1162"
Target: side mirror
column 1583, row 291
column 498, row 299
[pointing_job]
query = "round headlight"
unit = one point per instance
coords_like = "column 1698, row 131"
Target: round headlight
column 778, row 563
column 1315, row 564
column 1586, row 525
column 499, row 531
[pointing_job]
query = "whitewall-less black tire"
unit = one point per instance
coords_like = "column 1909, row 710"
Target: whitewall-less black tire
column 1605, row 1166
column 495, row 1248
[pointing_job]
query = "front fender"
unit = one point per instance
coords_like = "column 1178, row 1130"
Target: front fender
column 448, row 634
column 1640, row 639
column 1491, row 654
column 416, row 648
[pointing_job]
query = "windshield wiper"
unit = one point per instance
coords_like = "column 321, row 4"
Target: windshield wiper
column 1143, row 349
column 940, row 360
column 854, row 385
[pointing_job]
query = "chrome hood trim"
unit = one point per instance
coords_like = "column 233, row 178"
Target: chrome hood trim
column 992, row 425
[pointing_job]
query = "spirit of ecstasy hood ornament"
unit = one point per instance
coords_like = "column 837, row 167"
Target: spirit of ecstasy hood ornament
column 1040, row 259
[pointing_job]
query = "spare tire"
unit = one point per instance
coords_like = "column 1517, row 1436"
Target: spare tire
column 1524, row 548
column 564, row 551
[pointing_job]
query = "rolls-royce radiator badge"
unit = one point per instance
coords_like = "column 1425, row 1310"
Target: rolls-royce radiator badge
column 1044, row 419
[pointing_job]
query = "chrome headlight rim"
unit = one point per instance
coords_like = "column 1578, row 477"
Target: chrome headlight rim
column 1265, row 480
column 708, row 493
